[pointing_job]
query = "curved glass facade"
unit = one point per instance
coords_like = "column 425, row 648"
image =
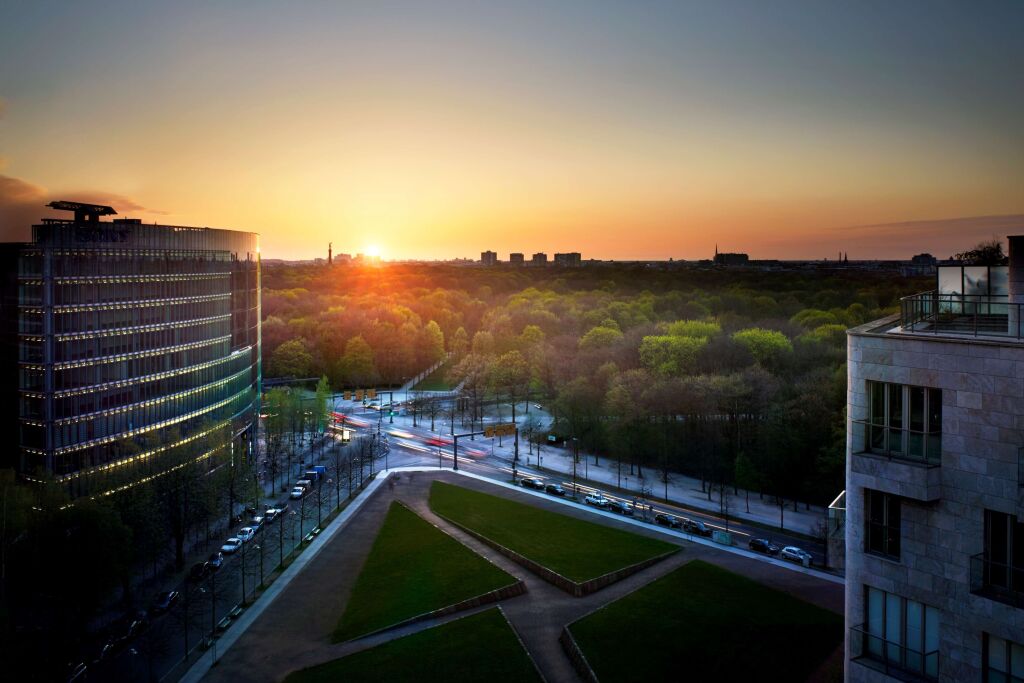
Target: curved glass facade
column 135, row 341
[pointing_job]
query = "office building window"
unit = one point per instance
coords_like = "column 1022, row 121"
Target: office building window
column 882, row 521
column 901, row 633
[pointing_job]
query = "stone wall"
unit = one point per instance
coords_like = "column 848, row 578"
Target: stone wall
column 942, row 518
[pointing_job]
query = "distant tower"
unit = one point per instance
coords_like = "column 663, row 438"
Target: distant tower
column 329, row 245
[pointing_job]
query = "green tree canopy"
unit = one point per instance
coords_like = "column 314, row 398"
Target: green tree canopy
column 291, row 359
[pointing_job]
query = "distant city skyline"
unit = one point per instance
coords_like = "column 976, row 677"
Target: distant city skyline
column 790, row 130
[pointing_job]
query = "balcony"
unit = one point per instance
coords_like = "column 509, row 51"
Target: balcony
column 997, row 581
column 891, row 658
column 897, row 461
column 969, row 315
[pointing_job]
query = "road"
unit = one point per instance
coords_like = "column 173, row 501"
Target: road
column 159, row 650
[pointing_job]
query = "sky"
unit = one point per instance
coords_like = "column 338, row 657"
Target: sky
column 622, row 130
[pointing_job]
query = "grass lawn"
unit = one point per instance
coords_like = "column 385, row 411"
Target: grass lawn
column 576, row 549
column 480, row 647
column 436, row 381
column 413, row 568
column 703, row 623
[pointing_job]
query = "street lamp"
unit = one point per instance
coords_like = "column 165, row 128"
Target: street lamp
column 575, row 457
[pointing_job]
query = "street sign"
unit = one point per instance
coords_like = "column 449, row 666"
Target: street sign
column 371, row 393
column 507, row 429
column 348, row 395
column 359, row 394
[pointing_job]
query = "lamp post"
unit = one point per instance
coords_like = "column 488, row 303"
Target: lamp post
column 575, row 450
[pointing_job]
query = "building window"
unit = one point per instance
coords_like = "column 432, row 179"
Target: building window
column 1004, row 661
column 904, row 421
column 882, row 521
column 999, row 571
column 900, row 633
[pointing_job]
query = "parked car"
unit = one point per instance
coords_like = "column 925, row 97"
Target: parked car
column 199, row 571
column 695, row 526
column 297, row 492
column 164, row 602
column 621, row 508
column 795, row 554
column 271, row 514
column 671, row 521
column 305, row 483
column 215, row 562
column 131, row 624
column 250, row 509
column 231, row 545
column 596, row 499
column 763, row 545
column 246, row 534
column 533, row 483
column 256, row 522
column 555, row 490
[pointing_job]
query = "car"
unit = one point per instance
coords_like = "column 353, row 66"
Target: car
column 271, row 514
column 215, row 562
column 555, row 490
column 297, row 492
column 763, row 545
column 671, row 521
column 231, row 545
column 695, row 526
column 257, row 522
column 597, row 500
column 621, row 508
column 199, row 571
column 795, row 554
column 164, row 602
column 246, row 534
column 250, row 509
column 305, row 483
column 533, row 483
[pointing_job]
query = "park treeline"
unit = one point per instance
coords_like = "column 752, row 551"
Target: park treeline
column 734, row 376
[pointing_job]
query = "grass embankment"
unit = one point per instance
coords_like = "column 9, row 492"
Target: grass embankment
column 703, row 623
column 413, row 568
column 437, row 380
column 480, row 647
column 576, row 549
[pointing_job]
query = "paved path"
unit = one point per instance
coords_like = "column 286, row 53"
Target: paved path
column 293, row 632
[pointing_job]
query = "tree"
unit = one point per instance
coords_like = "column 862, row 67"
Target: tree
column 767, row 346
column 600, row 337
column 670, row 356
column 459, row 344
column 987, row 253
column 358, row 363
column 431, row 344
column 291, row 359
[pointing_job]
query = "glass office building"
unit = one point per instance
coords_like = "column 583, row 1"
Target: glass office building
column 138, row 349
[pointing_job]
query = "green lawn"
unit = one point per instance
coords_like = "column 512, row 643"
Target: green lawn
column 703, row 623
column 413, row 568
column 436, row 381
column 480, row 647
column 576, row 549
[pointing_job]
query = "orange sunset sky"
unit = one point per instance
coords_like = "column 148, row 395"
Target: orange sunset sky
column 438, row 130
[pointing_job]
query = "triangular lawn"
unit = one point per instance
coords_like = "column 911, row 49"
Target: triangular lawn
column 413, row 568
column 577, row 549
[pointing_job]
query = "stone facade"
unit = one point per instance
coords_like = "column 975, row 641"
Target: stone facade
column 942, row 509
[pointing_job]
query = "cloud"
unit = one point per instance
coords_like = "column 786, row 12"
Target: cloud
column 3, row 107
column 902, row 239
column 22, row 204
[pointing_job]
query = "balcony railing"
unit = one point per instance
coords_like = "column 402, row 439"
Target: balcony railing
column 997, row 580
column 961, row 314
column 902, row 444
column 892, row 658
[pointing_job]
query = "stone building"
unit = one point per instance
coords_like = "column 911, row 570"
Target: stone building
column 935, row 527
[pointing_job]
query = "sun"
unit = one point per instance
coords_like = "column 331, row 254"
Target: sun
column 373, row 250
